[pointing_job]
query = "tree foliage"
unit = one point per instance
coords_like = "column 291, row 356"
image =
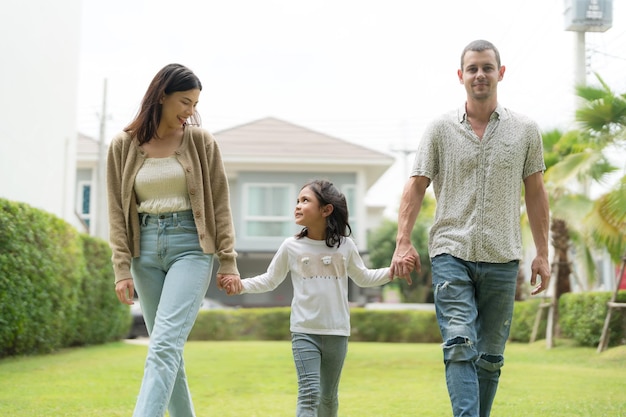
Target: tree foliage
column 576, row 159
column 603, row 118
column 382, row 243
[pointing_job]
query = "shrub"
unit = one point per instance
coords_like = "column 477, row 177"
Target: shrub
column 102, row 318
column 394, row 326
column 44, row 277
column 397, row 326
column 582, row 316
column 242, row 324
column 524, row 316
column 273, row 324
column 36, row 251
column 216, row 325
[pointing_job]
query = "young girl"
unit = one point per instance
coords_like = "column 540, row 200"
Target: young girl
column 320, row 258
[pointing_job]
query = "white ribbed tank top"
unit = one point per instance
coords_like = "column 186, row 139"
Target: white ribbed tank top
column 161, row 186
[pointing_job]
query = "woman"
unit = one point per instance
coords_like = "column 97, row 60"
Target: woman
column 169, row 213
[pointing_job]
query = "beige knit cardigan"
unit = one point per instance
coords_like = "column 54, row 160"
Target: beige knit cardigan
column 200, row 157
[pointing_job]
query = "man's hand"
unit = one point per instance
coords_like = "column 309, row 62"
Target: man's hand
column 405, row 259
column 539, row 268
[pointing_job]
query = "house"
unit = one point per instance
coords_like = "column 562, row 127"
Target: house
column 267, row 161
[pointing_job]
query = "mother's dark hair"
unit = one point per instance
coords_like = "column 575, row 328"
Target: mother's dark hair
column 170, row 79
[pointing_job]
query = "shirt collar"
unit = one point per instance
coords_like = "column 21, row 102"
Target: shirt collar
column 499, row 112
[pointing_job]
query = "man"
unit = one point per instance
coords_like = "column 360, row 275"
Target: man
column 476, row 158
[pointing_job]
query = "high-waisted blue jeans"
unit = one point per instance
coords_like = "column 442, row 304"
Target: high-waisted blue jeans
column 319, row 361
column 474, row 304
column 171, row 277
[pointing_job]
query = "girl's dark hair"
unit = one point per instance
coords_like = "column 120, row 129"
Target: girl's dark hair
column 337, row 225
column 170, row 79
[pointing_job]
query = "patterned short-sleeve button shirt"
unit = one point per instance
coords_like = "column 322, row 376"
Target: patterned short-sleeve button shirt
column 478, row 183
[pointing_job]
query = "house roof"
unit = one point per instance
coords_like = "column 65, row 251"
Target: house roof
column 284, row 145
column 87, row 150
column 86, row 145
column 271, row 138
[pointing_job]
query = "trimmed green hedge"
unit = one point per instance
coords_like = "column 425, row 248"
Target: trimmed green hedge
column 102, row 318
column 55, row 290
column 273, row 324
column 524, row 316
column 242, row 324
column 399, row 326
column 394, row 326
column 581, row 318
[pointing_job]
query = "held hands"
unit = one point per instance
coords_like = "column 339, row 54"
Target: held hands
column 405, row 260
column 231, row 283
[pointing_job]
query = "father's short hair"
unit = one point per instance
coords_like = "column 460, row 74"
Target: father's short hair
column 479, row 46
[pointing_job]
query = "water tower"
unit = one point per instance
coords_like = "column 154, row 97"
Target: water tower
column 586, row 16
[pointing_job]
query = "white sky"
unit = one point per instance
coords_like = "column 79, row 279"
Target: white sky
column 370, row 72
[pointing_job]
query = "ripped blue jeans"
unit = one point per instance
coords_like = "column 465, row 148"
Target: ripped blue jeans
column 474, row 304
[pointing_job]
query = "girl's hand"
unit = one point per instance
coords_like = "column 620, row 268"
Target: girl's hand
column 231, row 283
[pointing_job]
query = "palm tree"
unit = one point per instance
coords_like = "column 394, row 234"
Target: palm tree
column 607, row 220
column 567, row 162
column 574, row 159
column 572, row 162
column 603, row 117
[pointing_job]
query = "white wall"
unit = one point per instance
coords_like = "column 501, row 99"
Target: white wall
column 39, row 55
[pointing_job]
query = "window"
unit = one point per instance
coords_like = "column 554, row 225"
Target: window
column 83, row 202
column 268, row 210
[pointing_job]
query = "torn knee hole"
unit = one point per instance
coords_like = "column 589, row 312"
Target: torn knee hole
column 459, row 340
column 491, row 358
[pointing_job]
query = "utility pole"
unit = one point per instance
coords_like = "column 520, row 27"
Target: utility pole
column 581, row 17
column 404, row 151
column 580, row 60
column 101, row 213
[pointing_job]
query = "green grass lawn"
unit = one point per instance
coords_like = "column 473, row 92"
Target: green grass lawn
column 257, row 379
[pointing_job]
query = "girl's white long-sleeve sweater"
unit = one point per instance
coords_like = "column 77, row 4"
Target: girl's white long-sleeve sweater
column 320, row 282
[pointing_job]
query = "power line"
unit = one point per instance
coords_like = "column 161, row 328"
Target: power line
column 597, row 51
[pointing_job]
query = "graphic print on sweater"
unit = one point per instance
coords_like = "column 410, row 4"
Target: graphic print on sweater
column 324, row 266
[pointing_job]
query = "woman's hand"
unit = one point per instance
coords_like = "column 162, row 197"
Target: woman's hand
column 125, row 291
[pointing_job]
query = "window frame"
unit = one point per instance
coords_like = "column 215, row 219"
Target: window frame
column 86, row 218
column 286, row 219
